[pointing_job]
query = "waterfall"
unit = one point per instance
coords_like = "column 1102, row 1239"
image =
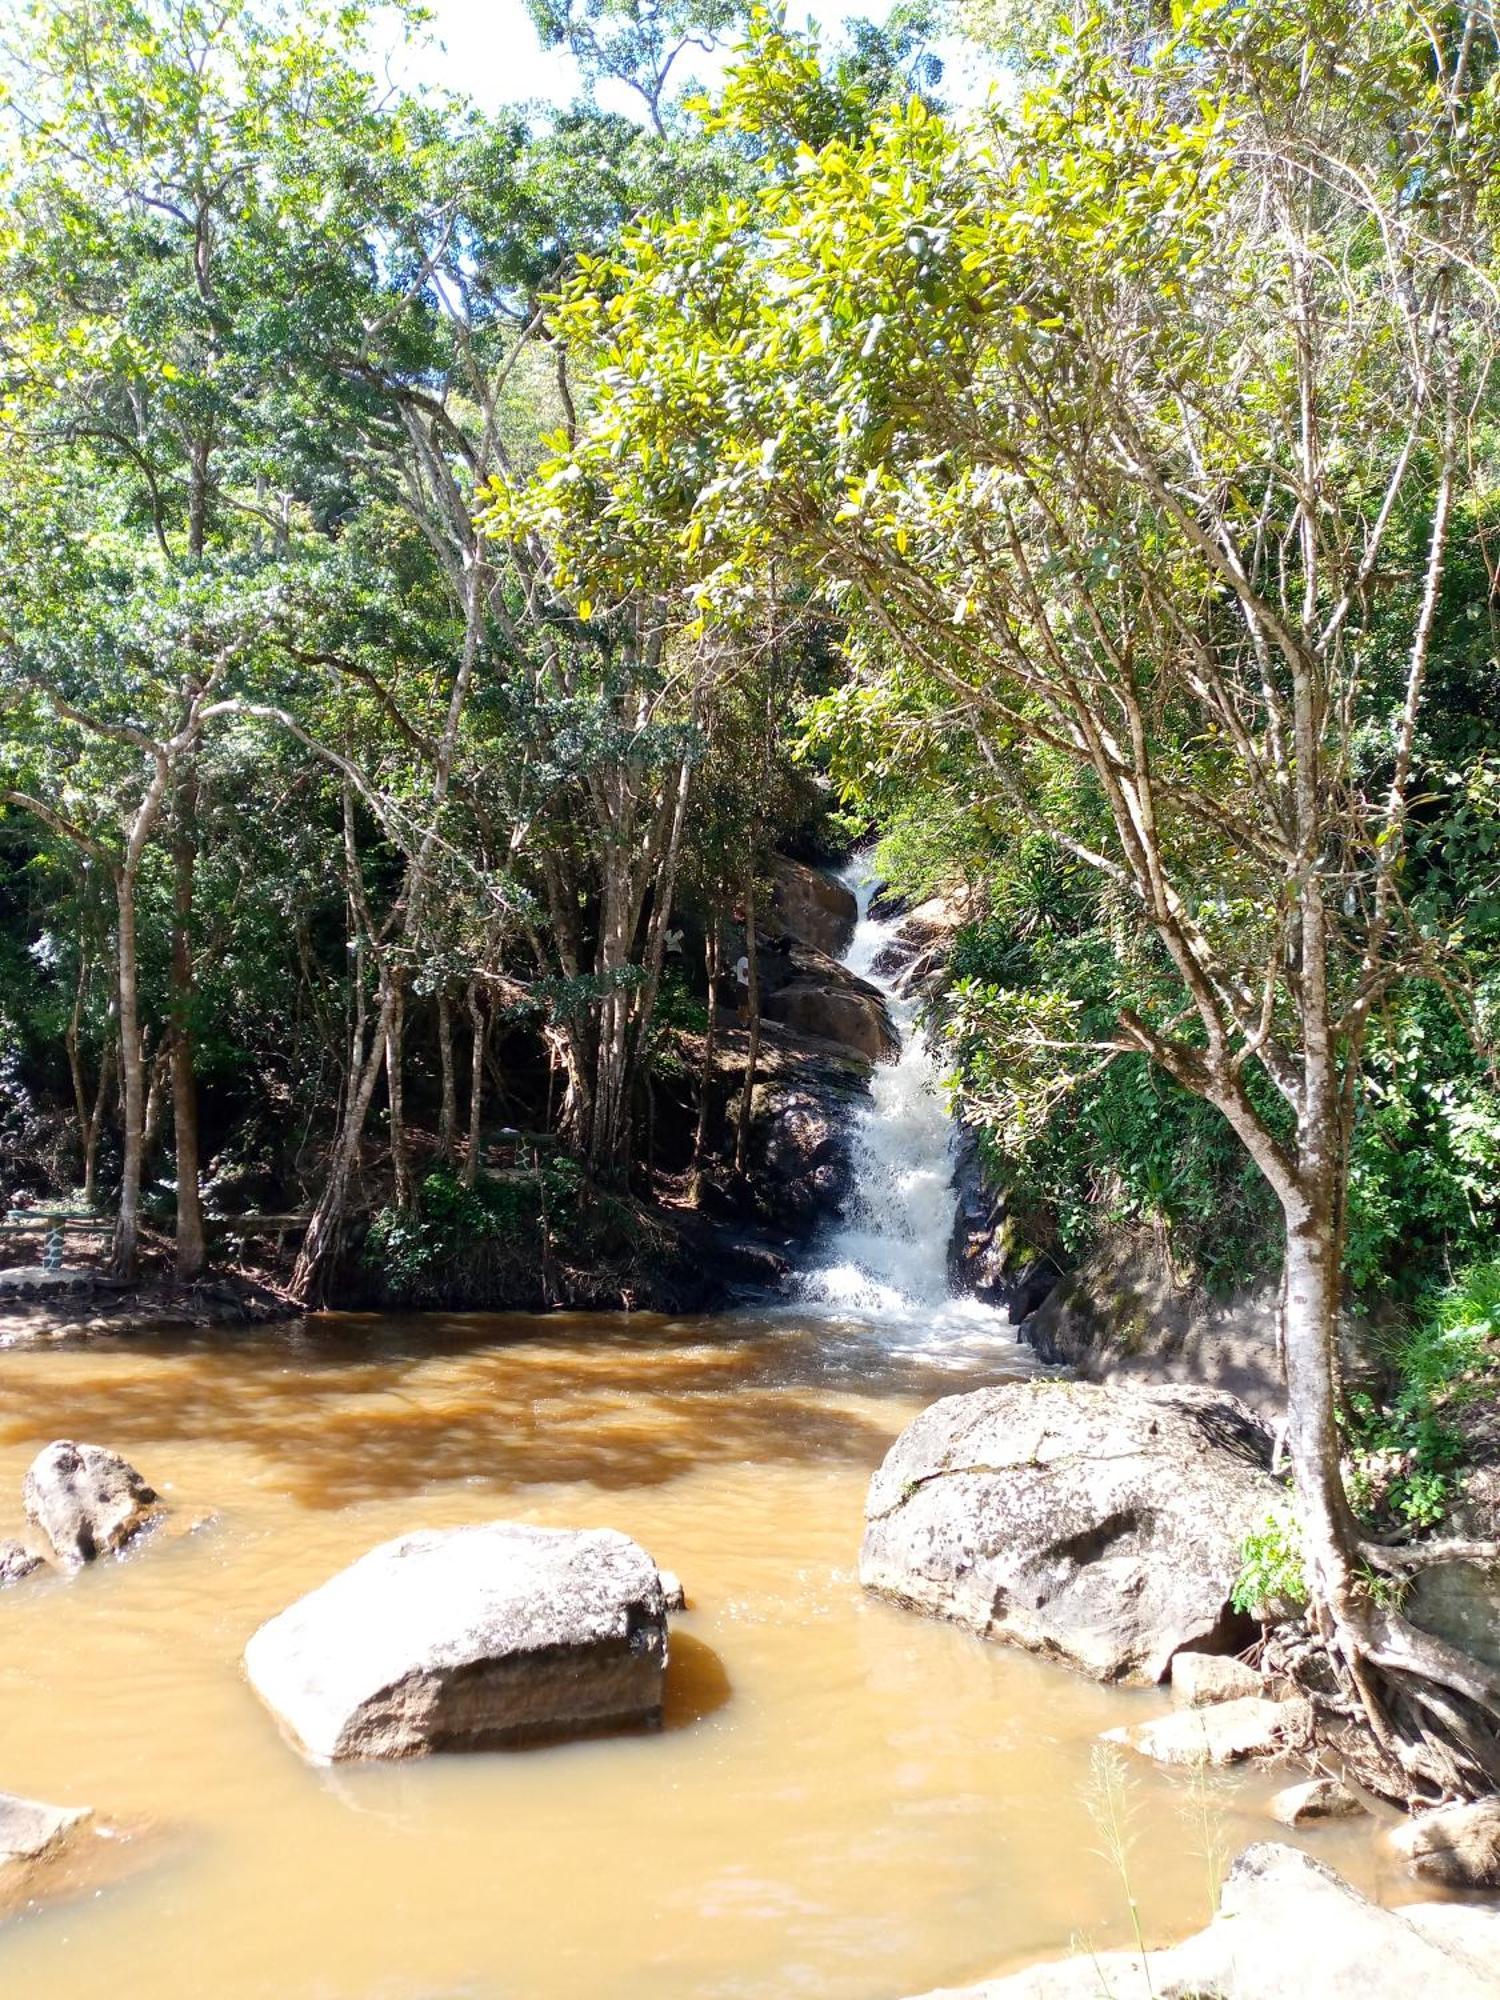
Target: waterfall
column 888, row 1259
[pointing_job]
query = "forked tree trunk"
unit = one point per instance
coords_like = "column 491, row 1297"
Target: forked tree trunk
column 323, row 1244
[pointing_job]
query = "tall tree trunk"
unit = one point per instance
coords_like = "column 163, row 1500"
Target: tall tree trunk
column 448, row 1111
column 191, row 1248
column 752, row 1001
column 90, row 1115
column 132, row 1079
column 395, row 1041
column 323, row 1244
column 479, row 1025
column 707, row 1075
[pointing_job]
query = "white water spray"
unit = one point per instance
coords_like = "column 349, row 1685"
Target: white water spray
column 888, row 1259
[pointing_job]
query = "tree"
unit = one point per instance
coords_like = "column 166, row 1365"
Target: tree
column 1135, row 429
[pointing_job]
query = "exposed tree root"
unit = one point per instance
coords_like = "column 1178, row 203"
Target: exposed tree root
column 1416, row 1720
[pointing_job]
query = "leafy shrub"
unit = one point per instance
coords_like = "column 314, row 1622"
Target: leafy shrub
column 1406, row 1451
column 1271, row 1567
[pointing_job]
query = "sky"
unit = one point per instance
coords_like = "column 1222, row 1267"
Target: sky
column 488, row 50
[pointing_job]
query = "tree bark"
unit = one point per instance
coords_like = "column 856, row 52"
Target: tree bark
column 479, row 1028
column 324, row 1241
column 132, row 1080
column 707, row 1075
column 192, row 1252
column 395, row 1039
column 448, row 1111
column 752, row 1004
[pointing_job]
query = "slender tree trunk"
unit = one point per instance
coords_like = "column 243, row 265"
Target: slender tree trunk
column 448, row 1113
column 395, row 1039
column 479, row 1029
column 94, row 1129
column 323, row 1244
column 191, row 1249
column 752, row 1001
column 708, row 1074
column 132, row 1079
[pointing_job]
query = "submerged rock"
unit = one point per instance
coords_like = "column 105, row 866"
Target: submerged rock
column 1456, row 1846
column 16, row 1562
column 29, row 1829
column 87, row 1501
column 1201, row 1679
column 1225, row 1732
column 1099, row 1525
column 468, row 1638
column 1316, row 1800
column 1288, row 1928
column 673, row 1596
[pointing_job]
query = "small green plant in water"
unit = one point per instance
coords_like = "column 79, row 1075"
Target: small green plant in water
column 1271, row 1567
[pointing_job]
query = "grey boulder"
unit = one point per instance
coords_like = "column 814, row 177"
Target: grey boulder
column 1100, row 1526
column 1313, row 1802
column 468, row 1638
column 1456, row 1846
column 1222, row 1732
column 1288, row 1928
column 87, row 1501
column 1199, row 1680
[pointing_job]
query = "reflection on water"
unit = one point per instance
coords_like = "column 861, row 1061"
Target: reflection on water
column 847, row 1801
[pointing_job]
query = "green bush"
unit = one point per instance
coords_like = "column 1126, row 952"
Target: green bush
column 1271, row 1575
column 1406, row 1450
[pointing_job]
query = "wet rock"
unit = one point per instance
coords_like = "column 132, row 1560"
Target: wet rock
column 812, row 906
column 1288, row 1928
column 799, row 1132
column 29, row 1829
column 468, row 1638
column 673, row 1596
column 1457, row 1847
column 1318, row 1799
column 1459, row 1602
column 1228, row 1732
column 89, row 1502
column 847, row 1011
column 1201, row 1679
column 987, row 1253
column 1100, row 1526
column 16, row 1562
column 1122, row 1316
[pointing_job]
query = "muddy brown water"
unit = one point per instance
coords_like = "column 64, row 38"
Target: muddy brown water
column 848, row 1801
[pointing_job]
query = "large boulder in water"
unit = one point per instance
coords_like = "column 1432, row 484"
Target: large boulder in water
column 466, row 1639
column 87, row 1501
column 1103, row 1526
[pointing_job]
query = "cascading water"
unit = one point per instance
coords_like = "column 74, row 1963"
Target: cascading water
column 888, row 1260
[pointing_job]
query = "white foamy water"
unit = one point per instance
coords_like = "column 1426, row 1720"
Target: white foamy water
column 887, row 1261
